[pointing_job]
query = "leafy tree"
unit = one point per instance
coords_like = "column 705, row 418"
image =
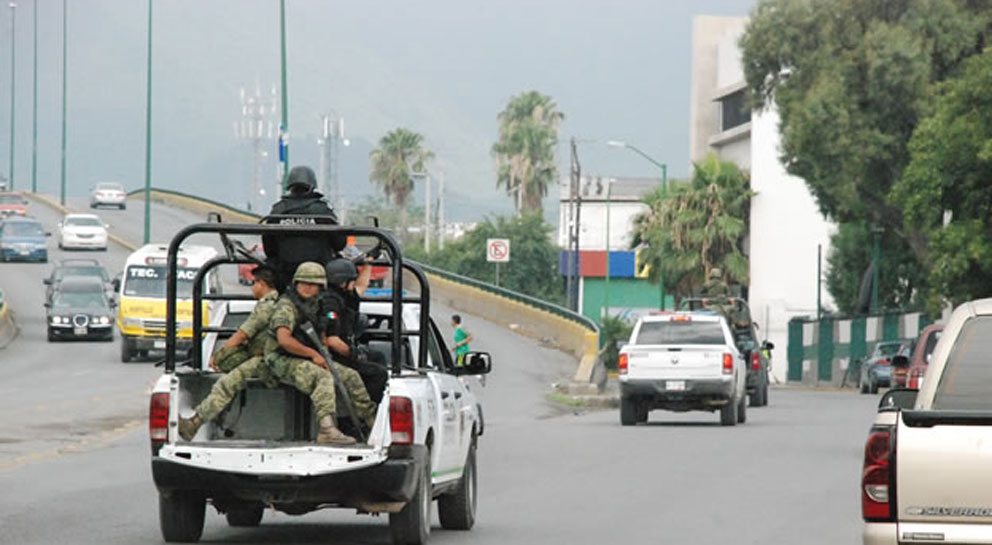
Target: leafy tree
column 946, row 191
column 851, row 79
column 525, row 158
column 696, row 226
column 400, row 153
column 612, row 331
column 533, row 267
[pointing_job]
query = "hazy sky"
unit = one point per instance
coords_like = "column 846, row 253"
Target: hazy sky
column 618, row 69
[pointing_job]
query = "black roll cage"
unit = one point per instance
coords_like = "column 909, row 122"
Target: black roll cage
column 397, row 298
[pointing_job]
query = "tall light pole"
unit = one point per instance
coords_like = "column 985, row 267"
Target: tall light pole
column 606, row 291
column 13, row 86
column 284, row 128
column 255, row 126
column 34, row 108
column 65, row 62
column 332, row 136
column 664, row 190
column 148, row 134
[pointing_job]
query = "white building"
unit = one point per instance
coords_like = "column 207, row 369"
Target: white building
column 786, row 225
column 624, row 203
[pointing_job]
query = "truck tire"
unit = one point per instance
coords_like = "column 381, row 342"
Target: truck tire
column 760, row 396
column 642, row 412
column 628, row 411
column 127, row 352
column 456, row 509
column 412, row 525
column 247, row 516
column 728, row 413
column 742, row 410
column 180, row 515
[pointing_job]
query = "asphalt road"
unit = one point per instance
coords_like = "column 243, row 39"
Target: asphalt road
column 78, row 472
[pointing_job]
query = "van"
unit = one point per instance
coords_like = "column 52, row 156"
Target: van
column 141, row 296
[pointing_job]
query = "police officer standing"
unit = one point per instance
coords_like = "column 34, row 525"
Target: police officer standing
column 303, row 205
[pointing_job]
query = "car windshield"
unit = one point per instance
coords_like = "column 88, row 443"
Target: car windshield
column 84, row 222
column 887, row 349
column 23, row 229
column 80, row 300
column 149, row 281
column 82, row 270
column 966, row 382
column 680, row 332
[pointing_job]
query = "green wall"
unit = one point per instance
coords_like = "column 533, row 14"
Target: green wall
column 624, row 293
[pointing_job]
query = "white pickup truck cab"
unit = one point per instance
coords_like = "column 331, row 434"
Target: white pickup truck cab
column 927, row 475
column 682, row 361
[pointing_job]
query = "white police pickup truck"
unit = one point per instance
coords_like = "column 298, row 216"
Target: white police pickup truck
column 261, row 451
column 682, row 361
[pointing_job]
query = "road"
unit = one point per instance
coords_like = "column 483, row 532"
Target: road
column 74, row 453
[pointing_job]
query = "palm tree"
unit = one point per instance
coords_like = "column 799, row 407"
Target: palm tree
column 528, row 134
column 697, row 226
column 400, row 153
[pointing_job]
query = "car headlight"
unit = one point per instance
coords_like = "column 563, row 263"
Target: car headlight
column 60, row 319
column 132, row 322
column 101, row 320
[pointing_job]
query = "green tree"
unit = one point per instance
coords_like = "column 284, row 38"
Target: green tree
column 946, row 191
column 525, row 151
column 696, row 226
column 400, row 153
column 851, row 80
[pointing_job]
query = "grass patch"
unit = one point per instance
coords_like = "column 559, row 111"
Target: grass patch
column 565, row 399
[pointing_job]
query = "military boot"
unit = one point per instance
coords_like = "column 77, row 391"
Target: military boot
column 189, row 426
column 329, row 434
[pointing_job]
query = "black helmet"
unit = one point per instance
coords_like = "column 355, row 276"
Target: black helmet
column 340, row 271
column 302, row 179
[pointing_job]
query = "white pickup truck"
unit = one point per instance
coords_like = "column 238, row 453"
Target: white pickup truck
column 927, row 475
column 682, row 361
column 261, row 452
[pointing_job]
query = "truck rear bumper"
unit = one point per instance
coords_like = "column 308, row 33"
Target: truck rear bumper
column 391, row 481
column 880, row 533
column 694, row 393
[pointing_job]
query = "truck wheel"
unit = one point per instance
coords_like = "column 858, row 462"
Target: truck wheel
column 180, row 515
column 457, row 509
column 742, row 410
column 760, row 396
column 764, row 395
column 642, row 412
column 628, row 411
column 728, row 413
column 127, row 353
column 245, row 516
column 412, row 525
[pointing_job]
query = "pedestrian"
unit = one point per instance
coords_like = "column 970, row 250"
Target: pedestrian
column 462, row 339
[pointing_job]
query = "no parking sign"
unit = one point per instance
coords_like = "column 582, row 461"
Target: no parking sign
column 498, row 250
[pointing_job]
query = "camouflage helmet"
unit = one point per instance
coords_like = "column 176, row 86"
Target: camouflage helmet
column 311, row 273
column 715, row 273
column 341, row 270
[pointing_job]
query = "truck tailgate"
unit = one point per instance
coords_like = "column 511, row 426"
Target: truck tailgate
column 677, row 362
column 943, row 477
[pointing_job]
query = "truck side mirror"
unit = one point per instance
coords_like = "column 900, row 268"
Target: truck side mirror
column 898, row 399
column 476, row 363
column 117, row 284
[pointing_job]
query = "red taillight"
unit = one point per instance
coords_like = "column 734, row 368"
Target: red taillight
column 755, row 361
column 877, row 476
column 728, row 363
column 622, row 364
column 158, row 418
column 401, row 420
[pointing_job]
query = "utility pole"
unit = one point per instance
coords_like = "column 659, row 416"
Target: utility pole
column 13, row 84
column 65, row 62
column 284, row 127
column 34, row 109
column 876, row 233
column 332, row 135
column 148, row 134
column 443, row 227
column 819, row 281
column 255, row 126
column 427, row 213
column 576, row 175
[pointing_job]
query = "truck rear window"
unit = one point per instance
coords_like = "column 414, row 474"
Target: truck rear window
column 680, row 333
column 966, row 383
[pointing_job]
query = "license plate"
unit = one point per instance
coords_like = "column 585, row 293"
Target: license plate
column 159, row 345
column 79, row 330
column 675, row 385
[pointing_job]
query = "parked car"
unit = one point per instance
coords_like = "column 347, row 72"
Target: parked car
column 876, row 370
column 12, row 204
column 23, row 239
column 682, row 361
column 77, row 267
column 80, row 309
column 82, row 231
column 108, row 194
column 923, row 354
column 245, row 277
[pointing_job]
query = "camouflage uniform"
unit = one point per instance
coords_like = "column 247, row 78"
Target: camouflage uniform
column 307, row 377
column 241, row 362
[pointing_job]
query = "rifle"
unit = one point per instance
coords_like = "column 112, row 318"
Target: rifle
column 311, row 333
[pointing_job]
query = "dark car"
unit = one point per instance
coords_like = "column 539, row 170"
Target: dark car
column 80, row 309
column 876, row 370
column 23, row 239
column 77, row 267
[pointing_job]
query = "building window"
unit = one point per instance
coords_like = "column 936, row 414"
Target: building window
column 734, row 110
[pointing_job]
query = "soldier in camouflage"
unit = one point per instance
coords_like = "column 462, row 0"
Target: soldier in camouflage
column 293, row 361
column 240, row 356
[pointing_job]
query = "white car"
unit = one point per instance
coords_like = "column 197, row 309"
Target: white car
column 108, row 194
column 83, row 232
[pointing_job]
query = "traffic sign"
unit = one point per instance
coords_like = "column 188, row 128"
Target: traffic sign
column 498, row 250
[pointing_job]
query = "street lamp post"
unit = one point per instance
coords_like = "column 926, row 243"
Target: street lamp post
column 664, row 189
column 34, row 108
column 13, row 86
column 65, row 62
column 148, row 134
column 284, row 128
column 606, row 291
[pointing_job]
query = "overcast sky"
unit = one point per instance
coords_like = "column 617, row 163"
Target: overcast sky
column 618, row 69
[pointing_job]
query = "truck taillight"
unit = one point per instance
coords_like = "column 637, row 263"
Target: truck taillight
column 728, row 363
column 158, row 418
column 755, row 361
column 401, row 420
column 876, row 479
column 622, row 364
